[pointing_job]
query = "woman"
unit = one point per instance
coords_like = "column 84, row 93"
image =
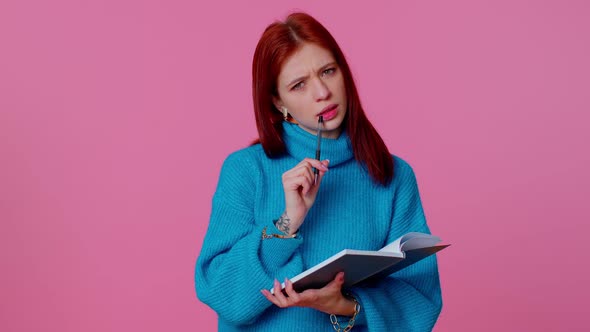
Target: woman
column 272, row 218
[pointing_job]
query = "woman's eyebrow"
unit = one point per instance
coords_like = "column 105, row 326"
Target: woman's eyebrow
column 297, row 79
column 331, row 63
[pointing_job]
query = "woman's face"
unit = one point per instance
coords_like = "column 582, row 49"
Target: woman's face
column 310, row 84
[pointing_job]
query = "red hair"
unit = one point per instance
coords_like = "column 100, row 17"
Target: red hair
column 278, row 42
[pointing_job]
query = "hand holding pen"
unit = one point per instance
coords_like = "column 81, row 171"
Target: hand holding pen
column 301, row 185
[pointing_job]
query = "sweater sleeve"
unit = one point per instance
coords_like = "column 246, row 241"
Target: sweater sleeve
column 235, row 263
column 410, row 299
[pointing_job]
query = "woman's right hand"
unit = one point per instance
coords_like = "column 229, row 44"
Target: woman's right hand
column 300, row 193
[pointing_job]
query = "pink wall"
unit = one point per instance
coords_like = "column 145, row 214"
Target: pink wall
column 116, row 115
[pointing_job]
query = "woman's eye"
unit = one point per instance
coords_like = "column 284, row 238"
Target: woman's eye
column 297, row 86
column 329, row 71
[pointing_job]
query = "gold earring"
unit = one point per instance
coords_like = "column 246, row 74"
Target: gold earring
column 285, row 112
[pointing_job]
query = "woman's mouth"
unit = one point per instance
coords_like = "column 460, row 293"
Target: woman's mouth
column 329, row 113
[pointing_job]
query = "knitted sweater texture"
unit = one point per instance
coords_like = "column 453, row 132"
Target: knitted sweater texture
column 351, row 211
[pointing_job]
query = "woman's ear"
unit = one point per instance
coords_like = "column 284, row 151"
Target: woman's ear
column 278, row 103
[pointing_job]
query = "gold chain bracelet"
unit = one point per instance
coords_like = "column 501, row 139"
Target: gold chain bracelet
column 278, row 236
column 334, row 319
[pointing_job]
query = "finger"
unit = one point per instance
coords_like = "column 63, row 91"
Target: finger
column 317, row 164
column 298, row 172
column 269, row 296
column 299, row 168
column 278, row 294
column 302, row 180
column 307, row 183
column 311, row 165
column 300, row 183
column 320, row 177
column 308, row 164
column 307, row 169
column 293, row 295
column 337, row 282
column 307, row 173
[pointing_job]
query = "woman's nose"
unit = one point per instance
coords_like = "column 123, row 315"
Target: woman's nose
column 320, row 89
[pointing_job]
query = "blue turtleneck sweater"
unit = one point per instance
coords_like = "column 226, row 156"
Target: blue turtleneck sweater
column 351, row 211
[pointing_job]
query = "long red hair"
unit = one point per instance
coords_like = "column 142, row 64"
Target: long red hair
column 278, row 42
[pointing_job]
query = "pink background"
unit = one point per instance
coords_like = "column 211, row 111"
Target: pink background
column 115, row 117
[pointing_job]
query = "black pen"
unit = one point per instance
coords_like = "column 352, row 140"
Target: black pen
column 318, row 148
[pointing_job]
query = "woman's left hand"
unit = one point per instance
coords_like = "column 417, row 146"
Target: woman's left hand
column 328, row 299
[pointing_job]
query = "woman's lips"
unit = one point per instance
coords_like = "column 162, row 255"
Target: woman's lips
column 330, row 114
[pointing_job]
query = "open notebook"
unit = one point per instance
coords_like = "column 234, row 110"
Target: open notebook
column 359, row 265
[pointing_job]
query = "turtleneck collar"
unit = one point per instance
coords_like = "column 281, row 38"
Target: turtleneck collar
column 302, row 144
